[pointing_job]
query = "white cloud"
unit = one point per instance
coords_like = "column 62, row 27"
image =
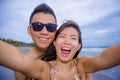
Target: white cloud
column 86, row 11
column 16, row 13
column 100, row 32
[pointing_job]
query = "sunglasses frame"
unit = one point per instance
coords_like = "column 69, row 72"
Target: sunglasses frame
column 38, row 26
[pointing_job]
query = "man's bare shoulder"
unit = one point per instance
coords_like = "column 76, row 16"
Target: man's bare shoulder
column 34, row 53
column 28, row 51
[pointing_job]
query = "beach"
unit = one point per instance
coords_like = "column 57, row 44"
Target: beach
column 109, row 74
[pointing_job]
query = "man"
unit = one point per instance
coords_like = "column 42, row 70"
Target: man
column 42, row 28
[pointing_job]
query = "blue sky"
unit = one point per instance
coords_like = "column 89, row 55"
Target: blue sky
column 99, row 20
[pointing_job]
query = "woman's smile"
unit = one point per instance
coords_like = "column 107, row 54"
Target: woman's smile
column 65, row 51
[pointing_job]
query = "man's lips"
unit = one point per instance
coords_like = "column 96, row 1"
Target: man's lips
column 43, row 39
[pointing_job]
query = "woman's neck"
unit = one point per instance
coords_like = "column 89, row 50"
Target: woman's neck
column 63, row 65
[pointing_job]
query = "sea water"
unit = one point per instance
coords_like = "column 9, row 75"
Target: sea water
column 109, row 74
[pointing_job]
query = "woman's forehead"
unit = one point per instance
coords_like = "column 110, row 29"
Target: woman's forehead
column 69, row 30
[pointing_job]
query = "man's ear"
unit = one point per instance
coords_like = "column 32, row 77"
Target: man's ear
column 54, row 43
column 29, row 31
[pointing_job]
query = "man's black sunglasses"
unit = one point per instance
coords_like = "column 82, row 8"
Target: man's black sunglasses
column 37, row 26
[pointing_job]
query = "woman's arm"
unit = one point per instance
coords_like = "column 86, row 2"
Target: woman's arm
column 89, row 76
column 110, row 57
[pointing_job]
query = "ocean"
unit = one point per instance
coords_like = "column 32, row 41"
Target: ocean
column 109, row 74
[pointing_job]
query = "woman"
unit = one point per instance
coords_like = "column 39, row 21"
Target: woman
column 67, row 45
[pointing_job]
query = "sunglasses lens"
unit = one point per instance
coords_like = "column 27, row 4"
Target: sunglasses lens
column 37, row 26
column 51, row 27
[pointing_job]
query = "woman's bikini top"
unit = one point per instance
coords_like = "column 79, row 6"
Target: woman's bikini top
column 53, row 73
column 75, row 71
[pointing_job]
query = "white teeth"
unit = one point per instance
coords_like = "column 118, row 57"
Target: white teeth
column 66, row 48
column 43, row 38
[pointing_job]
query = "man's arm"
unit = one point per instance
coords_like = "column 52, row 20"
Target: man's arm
column 12, row 58
column 110, row 57
column 19, row 76
column 9, row 54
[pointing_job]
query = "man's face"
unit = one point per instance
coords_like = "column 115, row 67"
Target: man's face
column 43, row 38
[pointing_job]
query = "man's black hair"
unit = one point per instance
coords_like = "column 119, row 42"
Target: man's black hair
column 42, row 8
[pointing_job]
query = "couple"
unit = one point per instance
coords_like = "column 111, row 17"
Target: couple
column 64, row 51
column 60, row 64
column 43, row 37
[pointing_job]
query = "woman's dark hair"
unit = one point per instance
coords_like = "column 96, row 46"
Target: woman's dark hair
column 50, row 54
column 42, row 8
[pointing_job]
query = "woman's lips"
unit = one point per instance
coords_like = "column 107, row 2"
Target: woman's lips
column 65, row 51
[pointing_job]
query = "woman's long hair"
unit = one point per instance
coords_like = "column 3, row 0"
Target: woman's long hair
column 50, row 54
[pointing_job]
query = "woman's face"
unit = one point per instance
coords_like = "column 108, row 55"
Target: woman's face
column 67, row 44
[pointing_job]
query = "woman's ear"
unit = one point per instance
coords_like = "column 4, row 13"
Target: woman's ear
column 79, row 46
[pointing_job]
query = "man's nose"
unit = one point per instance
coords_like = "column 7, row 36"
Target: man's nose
column 44, row 30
